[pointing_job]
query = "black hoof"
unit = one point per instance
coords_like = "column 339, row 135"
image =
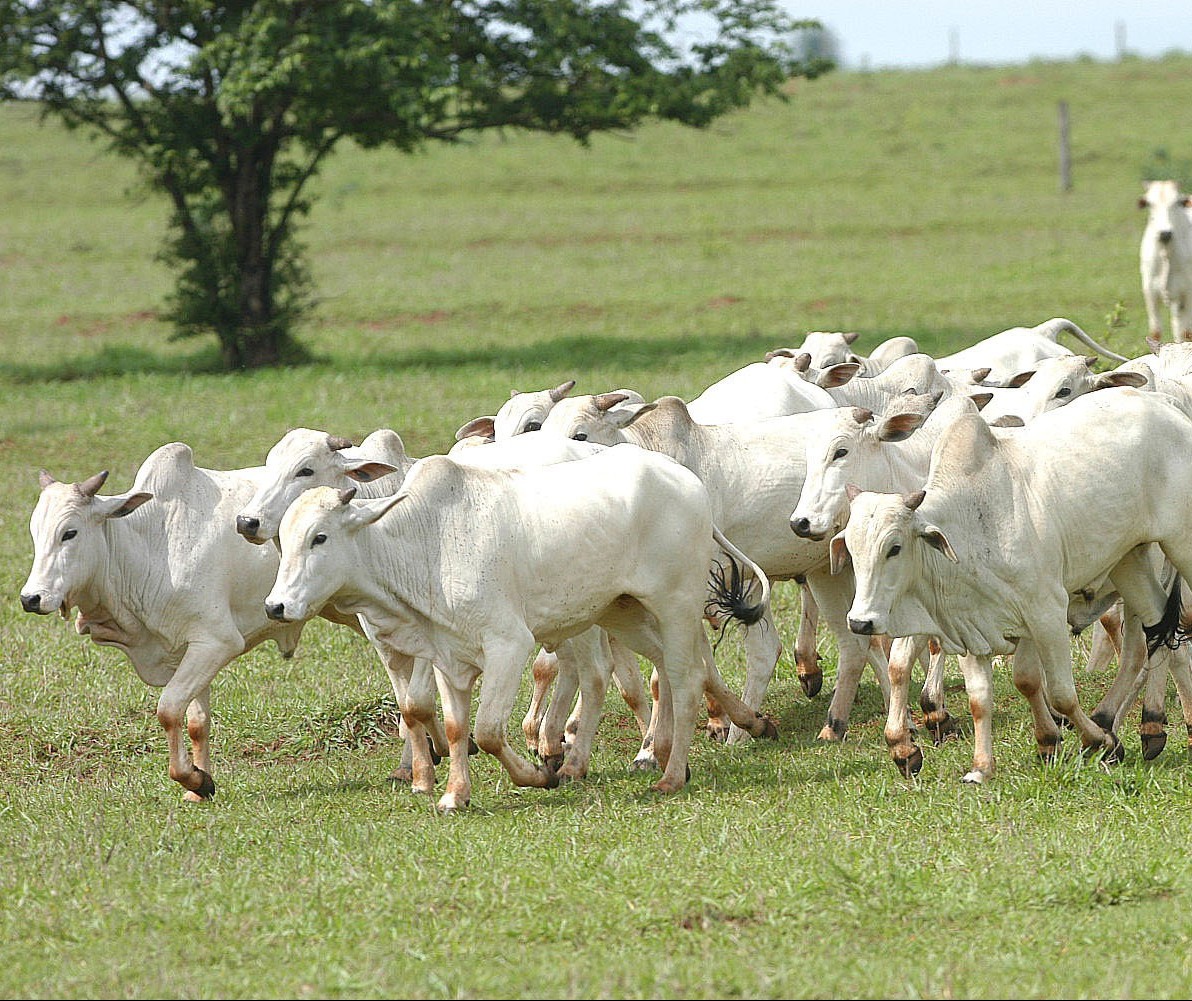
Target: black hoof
column 812, row 684
column 1152, row 745
column 910, row 764
column 769, row 727
column 206, row 785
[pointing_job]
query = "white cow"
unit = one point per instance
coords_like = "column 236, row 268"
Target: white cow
column 1050, row 383
column 1012, row 524
column 1017, row 349
column 520, row 413
column 472, row 568
column 1165, row 258
column 752, row 470
column 826, row 349
column 159, row 573
column 755, row 392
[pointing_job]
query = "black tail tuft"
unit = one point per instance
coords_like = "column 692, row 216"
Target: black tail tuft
column 731, row 596
column 1167, row 631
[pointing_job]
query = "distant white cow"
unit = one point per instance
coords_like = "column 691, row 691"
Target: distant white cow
column 1012, row 524
column 1017, row 349
column 826, row 349
column 160, row 574
column 1165, row 258
column 472, row 568
column 755, row 392
column 520, row 413
column 1051, row 383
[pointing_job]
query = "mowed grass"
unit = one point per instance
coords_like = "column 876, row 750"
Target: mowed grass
column 923, row 203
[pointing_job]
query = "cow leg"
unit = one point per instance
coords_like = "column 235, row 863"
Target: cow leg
column 544, row 671
column 503, row 663
column 1153, row 729
column 833, row 595
column 1030, row 680
column 899, row 737
column 762, row 650
column 455, row 692
column 192, row 680
column 807, row 658
column 1131, row 675
column 936, row 718
column 1181, row 674
column 645, row 759
column 682, row 676
column 584, row 653
column 1107, row 639
column 413, row 683
column 978, row 683
column 1055, row 654
column 627, row 674
column 198, row 729
column 593, row 675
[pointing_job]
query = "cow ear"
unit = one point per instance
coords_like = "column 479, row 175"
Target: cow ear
column 981, row 374
column 365, row 512
column 1008, row 421
column 477, row 427
column 118, row 507
column 937, row 540
column 1020, row 379
column 1107, row 380
column 837, row 375
column 838, row 554
column 980, row 399
column 369, row 469
column 899, row 427
column 852, row 491
column 1142, row 203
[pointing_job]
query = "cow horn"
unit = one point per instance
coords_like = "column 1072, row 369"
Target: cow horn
column 914, row 500
column 561, row 390
column 803, row 362
column 346, row 494
column 45, row 479
column 90, row 486
column 606, row 401
column 861, row 415
column 337, row 443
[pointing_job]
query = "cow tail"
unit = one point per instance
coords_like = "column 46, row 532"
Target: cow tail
column 730, row 595
column 1167, row 631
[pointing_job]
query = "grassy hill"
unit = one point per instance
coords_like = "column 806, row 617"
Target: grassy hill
column 922, row 203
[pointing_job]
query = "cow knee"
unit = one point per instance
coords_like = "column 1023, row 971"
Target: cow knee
column 489, row 737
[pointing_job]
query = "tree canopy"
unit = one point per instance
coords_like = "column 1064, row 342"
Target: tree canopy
column 229, row 108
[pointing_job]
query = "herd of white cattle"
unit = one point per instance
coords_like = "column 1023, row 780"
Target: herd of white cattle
column 980, row 505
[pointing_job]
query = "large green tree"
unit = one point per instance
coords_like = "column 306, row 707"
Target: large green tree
column 229, row 108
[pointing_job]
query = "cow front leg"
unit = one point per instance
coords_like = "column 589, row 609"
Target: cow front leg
column 900, row 738
column 191, row 681
column 412, row 680
column 1029, row 679
column 807, row 658
column 978, row 684
column 455, row 692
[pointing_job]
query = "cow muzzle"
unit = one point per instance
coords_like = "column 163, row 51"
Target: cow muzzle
column 276, row 610
column 802, row 528
column 250, row 528
column 32, row 603
column 862, row 627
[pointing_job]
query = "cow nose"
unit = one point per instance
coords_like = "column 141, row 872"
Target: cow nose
column 1165, row 236
column 275, row 610
column 247, row 526
column 801, row 527
column 863, row 627
column 31, row 602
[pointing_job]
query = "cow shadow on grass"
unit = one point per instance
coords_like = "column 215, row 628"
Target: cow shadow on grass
column 566, row 354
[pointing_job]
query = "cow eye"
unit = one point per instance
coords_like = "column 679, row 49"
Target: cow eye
column 1066, row 391
column 69, row 534
column 533, row 426
column 840, row 453
column 580, row 436
column 305, row 471
column 318, row 540
column 894, row 551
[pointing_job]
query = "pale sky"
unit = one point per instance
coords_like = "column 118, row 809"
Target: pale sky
column 911, row 33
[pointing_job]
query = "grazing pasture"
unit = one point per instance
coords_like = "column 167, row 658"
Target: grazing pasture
column 925, row 204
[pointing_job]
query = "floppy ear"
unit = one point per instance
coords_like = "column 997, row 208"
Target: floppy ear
column 937, row 540
column 838, row 554
column 478, row 427
column 899, row 427
column 368, row 469
column 119, row 506
column 365, row 512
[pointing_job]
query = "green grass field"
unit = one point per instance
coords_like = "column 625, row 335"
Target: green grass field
column 918, row 203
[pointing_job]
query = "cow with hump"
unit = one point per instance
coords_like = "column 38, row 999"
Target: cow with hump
column 1012, row 524
column 471, row 568
column 160, row 574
